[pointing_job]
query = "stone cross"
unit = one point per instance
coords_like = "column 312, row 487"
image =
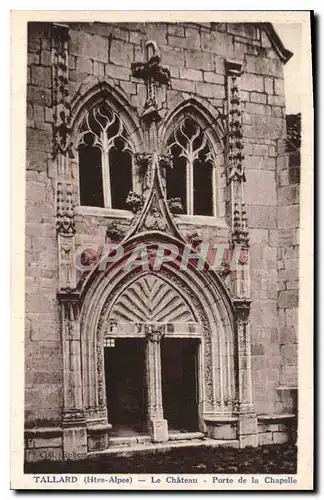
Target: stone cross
column 151, row 72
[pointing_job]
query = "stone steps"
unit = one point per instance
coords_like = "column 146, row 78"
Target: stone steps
column 122, row 448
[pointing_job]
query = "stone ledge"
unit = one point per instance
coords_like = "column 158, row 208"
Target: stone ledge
column 111, row 213
column 220, row 419
column 44, row 432
column 201, row 220
column 276, row 417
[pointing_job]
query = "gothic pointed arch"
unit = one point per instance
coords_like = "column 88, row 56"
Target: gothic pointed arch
column 151, row 299
column 206, row 115
column 92, row 91
column 199, row 299
column 106, row 137
column 192, row 133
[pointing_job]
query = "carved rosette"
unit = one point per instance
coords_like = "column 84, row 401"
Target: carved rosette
column 60, row 91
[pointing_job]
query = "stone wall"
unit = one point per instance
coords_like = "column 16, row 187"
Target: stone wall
column 195, row 54
column 43, row 356
column 287, row 241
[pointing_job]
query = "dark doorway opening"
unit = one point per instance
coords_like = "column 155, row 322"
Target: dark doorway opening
column 125, row 386
column 180, row 383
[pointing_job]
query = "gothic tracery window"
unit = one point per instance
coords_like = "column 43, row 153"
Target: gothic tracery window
column 191, row 178
column 105, row 159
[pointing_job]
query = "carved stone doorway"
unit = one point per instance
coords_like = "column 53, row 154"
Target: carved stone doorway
column 179, row 366
column 126, row 386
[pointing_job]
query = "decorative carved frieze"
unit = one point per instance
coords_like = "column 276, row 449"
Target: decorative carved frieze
column 60, row 91
column 151, row 72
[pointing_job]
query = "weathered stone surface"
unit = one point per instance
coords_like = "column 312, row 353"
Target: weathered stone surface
column 191, row 74
column 269, row 85
column 280, row 437
column 84, row 65
column 91, row 46
column 288, row 216
column 172, row 55
column 261, row 188
column 199, row 60
column 211, row 77
column 119, row 72
column 190, row 41
column 121, row 53
column 258, row 97
column 210, row 90
column 288, row 299
column 252, row 82
column 287, row 335
column 175, row 29
column 261, row 216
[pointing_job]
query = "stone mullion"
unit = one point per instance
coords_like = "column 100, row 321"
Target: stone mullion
column 157, row 425
column 155, row 407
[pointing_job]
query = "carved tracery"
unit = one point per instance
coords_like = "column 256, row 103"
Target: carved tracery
column 105, row 158
column 191, row 179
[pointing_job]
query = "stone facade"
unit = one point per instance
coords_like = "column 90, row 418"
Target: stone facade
column 229, row 78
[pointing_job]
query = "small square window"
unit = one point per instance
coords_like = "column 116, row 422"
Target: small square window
column 109, row 342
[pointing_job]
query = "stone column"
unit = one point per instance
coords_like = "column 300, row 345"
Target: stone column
column 158, row 426
column 248, row 422
column 73, row 420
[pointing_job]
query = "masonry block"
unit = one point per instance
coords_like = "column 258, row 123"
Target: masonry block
column 288, row 299
column 91, row 46
column 195, row 59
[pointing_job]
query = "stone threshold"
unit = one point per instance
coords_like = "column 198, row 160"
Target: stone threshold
column 147, row 447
